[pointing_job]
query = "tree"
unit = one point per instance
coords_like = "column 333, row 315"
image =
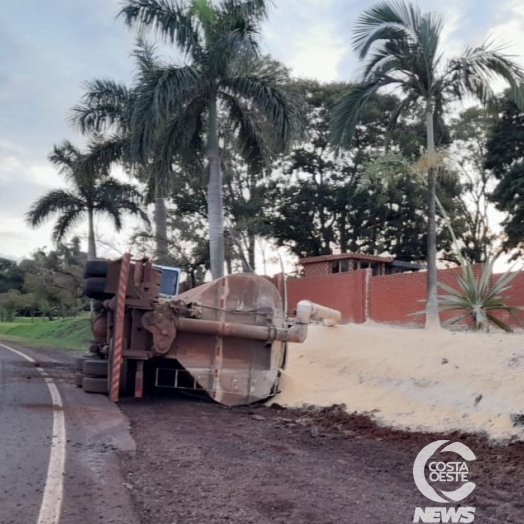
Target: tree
column 11, row 278
column 224, row 75
column 324, row 202
column 53, row 279
column 107, row 107
column 92, row 192
column 400, row 47
column 505, row 158
column 47, row 282
column 470, row 130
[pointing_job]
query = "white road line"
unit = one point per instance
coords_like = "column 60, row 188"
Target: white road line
column 54, row 485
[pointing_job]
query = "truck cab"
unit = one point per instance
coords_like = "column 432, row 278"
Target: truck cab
column 170, row 281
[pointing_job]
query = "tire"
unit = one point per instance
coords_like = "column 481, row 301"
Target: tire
column 95, row 385
column 96, row 268
column 94, row 288
column 96, row 368
column 79, row 362
column 79, row 377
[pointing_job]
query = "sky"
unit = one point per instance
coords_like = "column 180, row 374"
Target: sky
column 49, row 48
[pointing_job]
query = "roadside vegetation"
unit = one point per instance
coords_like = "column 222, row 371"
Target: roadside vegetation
column 239, row 158
column 49, row 283
column 68, row 333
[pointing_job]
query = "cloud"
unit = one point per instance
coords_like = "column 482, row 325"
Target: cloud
column 302, row 34
column 49, row 48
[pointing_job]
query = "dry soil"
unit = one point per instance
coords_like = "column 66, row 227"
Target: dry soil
column 197, row 462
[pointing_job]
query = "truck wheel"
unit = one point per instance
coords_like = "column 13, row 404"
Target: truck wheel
column 78, row 379
column 96, row 268
column 96, row 368
column 94, row 288
column 79, row 362
column 95, row 385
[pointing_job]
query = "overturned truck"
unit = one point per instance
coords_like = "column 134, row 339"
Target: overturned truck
column 227, row 338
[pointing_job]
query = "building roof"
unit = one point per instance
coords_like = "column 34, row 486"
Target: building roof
column 407, row 265
column 346, row 256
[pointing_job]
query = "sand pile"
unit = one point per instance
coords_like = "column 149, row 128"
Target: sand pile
column 412, row 379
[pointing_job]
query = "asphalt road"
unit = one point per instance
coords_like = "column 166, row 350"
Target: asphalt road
column 58, row 445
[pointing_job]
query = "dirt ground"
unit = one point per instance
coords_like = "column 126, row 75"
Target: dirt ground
column 198, row 462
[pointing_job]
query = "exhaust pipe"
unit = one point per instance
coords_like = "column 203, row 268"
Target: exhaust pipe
column 308, row 311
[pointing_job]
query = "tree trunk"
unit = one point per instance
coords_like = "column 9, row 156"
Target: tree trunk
column 161, row 254
column 228, row 254
column 432, row 313
column 252, row 239
column 91, row 245
column 215, row 204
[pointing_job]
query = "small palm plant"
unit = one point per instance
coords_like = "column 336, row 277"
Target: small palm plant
column 476, row 298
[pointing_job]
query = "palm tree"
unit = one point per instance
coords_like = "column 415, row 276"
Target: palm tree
column 105, row 111
column 223, row 83
column 401, row 49
column 92, row 192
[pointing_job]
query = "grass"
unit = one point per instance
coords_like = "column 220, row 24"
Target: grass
column 70, row 333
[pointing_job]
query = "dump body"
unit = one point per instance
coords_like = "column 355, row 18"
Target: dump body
column 227, row 337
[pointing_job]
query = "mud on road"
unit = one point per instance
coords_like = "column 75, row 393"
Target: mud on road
column 198, row 462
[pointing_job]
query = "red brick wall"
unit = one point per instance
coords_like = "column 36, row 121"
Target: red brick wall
column 394, row 298
column 515, row 297
column 343, row 291
column 389, row 299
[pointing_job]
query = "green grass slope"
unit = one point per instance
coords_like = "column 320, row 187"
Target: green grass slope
column 70, row 333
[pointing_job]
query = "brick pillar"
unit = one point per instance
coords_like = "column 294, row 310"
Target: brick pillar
column 367, row 282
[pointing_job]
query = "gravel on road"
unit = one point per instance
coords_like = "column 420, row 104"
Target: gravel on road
column 201, row 462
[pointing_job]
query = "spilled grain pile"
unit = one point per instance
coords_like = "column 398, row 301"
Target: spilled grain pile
column 412, row 379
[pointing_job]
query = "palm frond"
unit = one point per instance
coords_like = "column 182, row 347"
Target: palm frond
column 113, row 197
column 104, row 151
column 473, row 72
column 253, row 10
column 168, row 18
column 182, row 138
column 65, row 222
column 237, row 45
column 388, row 20
column 114, row 213
column 105, row 105
column 104, row 91
column 145, row 55
column 161, row 93
column 204, row 11
column 56, row 201
column 248, row 132
column 404, row 105
column 380, row 60
column 273, row 103
column 346, row 113
column 64, row 157
column 429, row 31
